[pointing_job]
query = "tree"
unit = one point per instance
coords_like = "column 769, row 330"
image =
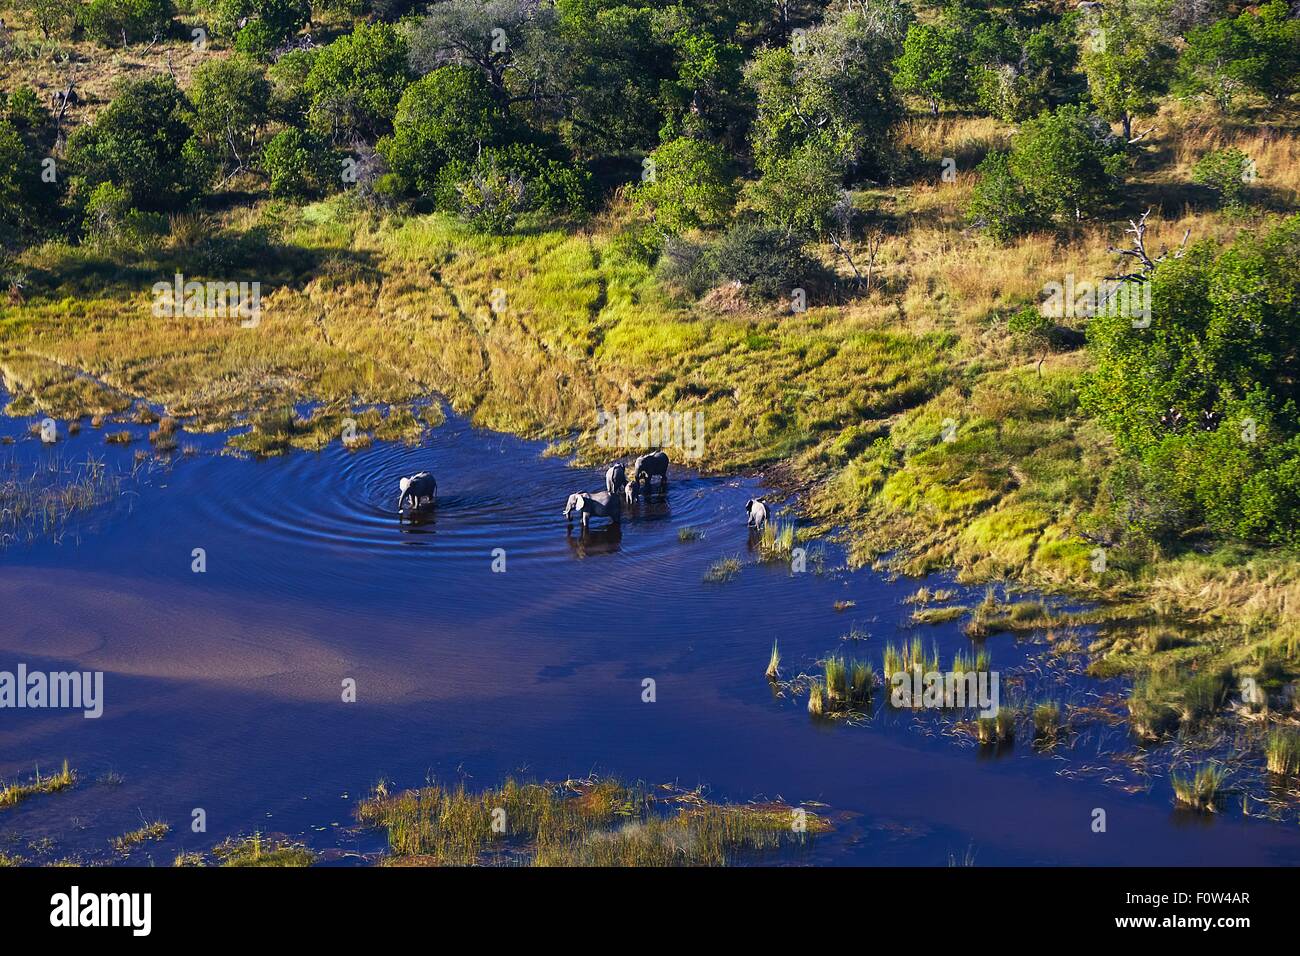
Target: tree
column 1127, row 64
column 127, row 21
column 1258, row 51
column 143, row 142
column 932, row 66
column 1206, row 397
column 54, row 18
column 259, row 26
column 837, row 91
column 450, row 114
column 691, row 187
column 27, row 202
column 798, row 193
column 297, row 164
column 230, row 98
column 355, row 83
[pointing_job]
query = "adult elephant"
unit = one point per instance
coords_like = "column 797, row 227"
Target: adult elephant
column 417, row 488
column 649, row 466
column 593, row 504
column 615, row 478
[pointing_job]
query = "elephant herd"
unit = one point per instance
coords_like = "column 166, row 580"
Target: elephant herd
column 421, row 489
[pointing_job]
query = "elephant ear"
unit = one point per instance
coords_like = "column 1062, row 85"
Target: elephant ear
column 749, row 505
column 579, row 502
column 404, row 484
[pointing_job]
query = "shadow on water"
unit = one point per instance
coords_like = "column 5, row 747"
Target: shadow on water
column 478, row 650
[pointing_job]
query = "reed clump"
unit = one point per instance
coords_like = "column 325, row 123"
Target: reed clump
column 155, row 830
column 15, row 793
column 777, row 541
column 774, row 663
column 1282, row 752
column 1201, row 790
column 998, row 729
column 723, row 570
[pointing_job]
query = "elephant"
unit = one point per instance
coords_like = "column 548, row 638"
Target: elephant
column 631, row 491
column 647, row 466
column 594, row 504
column 615, row 478
column 417, row 487
column 758, row 512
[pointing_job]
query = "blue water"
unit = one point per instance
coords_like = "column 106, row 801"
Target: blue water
column 224, row 689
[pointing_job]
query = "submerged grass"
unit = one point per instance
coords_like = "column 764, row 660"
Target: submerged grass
column 723, row 570
column 593, row 822
column 257, row 850
column 150, row 831
column 15, row 793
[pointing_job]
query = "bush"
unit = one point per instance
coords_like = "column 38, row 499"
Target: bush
column 505, row 182
column 767, row 262
column 1226, row 172
column 127, row 21
column 1000, row 205
column 692, row 186
column 259, row 26
column 687, row 266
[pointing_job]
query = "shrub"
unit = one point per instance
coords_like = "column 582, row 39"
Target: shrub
column 692, row 185
column 1226, row 172
column 768, row 263
column 999, row 204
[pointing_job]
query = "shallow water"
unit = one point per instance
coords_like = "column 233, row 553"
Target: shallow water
column 223, row 689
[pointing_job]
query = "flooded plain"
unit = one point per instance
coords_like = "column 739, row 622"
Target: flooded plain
column 223, row 689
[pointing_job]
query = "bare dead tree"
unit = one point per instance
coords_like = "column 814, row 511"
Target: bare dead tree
column 1138, row 252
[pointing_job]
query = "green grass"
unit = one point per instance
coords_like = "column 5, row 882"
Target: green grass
column 937, row 615
column 998, row 729
column 686, row 535
column 777, row 541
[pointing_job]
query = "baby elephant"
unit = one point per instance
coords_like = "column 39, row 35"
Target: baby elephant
column 631, row 491
column 417, row 487
column 593, row 504
column 758, row 512
column 648, row 466
column 615, row 478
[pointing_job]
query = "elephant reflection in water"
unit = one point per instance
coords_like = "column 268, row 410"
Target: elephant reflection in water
column 595, row 541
